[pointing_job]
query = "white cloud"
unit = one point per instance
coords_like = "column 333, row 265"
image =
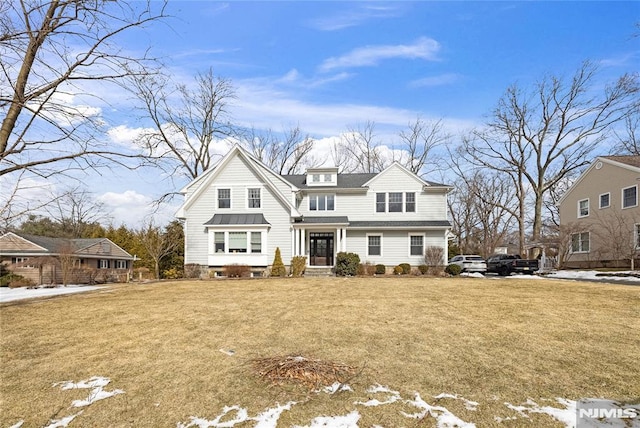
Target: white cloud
column 423, row 48
column 355, row 17
column 134, row 209
column 440, row 80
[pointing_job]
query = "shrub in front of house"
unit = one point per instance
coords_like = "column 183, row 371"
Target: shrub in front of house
column 453, row 270
column 237, row 271
column 424, row 269
column 13, row 280
column 192, row 270
column 366, row 269
column 298, row 265
column 381, row 269
column 397, row 270
column 278, row 268
column 406, row 268
column 172, row 273
column 347, row 264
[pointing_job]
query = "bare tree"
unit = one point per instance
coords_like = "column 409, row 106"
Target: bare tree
column 50, row 51
column 566, row 240
column 617, row 235
column 287, row 154
column 359, row 151
column 629, row 138
column 157, row 244
column 537, row 138
column 482, row 209
column 419, row 144
column 76, row 211
column 189, row 122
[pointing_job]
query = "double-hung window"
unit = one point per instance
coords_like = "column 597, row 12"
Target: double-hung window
column 374, row 245
column 256, row 242
column 121, row 264
column 103, row 264
column 630, row 197
column 583, row 208
column 322, row 202
column 237, row 242
column 416, row 243
column 224, row 198
column 381, row 202
column 580, row 242
column 253, row 196
column 395, row 202
column 605, row 200
column 410, row 202
column 218, row 242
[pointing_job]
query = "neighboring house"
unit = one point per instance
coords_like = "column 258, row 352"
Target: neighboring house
column 47, row 260
column 600, row 215
column 239, row 211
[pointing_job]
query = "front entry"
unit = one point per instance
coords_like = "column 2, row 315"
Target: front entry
column 321, row 249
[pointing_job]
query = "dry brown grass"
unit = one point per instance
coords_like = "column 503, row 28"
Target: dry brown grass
column 491, row 341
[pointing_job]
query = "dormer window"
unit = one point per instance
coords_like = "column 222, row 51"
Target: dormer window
column 322, row 177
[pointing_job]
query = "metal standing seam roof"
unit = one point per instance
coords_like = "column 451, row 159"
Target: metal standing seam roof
column 231, row 219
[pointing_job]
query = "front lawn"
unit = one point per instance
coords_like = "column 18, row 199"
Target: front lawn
column 178, row 354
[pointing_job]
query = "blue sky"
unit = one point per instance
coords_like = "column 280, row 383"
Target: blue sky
column 331, row 65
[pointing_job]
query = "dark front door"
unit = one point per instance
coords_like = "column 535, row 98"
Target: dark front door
column 321, row 249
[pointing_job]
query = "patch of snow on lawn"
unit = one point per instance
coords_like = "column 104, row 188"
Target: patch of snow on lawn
column 566, row 415
column 472, row 274
column 62, row 422
column 17, row 424
column 522, row 276
column 444, row 418
column 593, row 275
column 96, row 384
column 468, row 404
column 346, row 421
column 12, row 294
column 336, row 387
column 269, row 418
column 241, row 417
column 392, row 398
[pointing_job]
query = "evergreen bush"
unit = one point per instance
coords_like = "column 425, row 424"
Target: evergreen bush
column 453, row 270
column 278, row 269
column 406, row 268
column 298, row 265
column 347, row 264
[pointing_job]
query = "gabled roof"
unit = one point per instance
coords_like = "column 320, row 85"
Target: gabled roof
column 50, row 246
column 631, row 163
column 256, row 165
column 410, row 174
column 631, row 160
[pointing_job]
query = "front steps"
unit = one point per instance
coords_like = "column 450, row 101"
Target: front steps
column 312, row 272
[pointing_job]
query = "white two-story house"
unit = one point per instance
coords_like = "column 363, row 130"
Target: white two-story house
column 239, row 211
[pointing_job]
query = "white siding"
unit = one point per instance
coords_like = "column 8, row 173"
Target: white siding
column 237, row 176
column 395, row 245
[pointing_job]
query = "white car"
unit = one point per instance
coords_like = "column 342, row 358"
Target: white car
column 469, row 263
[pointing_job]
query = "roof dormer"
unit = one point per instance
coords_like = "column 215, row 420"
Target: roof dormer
column 322, row 177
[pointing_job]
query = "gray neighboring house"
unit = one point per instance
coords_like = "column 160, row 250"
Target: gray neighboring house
column 38, row 258
column 239, row 211
column 601, row 214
